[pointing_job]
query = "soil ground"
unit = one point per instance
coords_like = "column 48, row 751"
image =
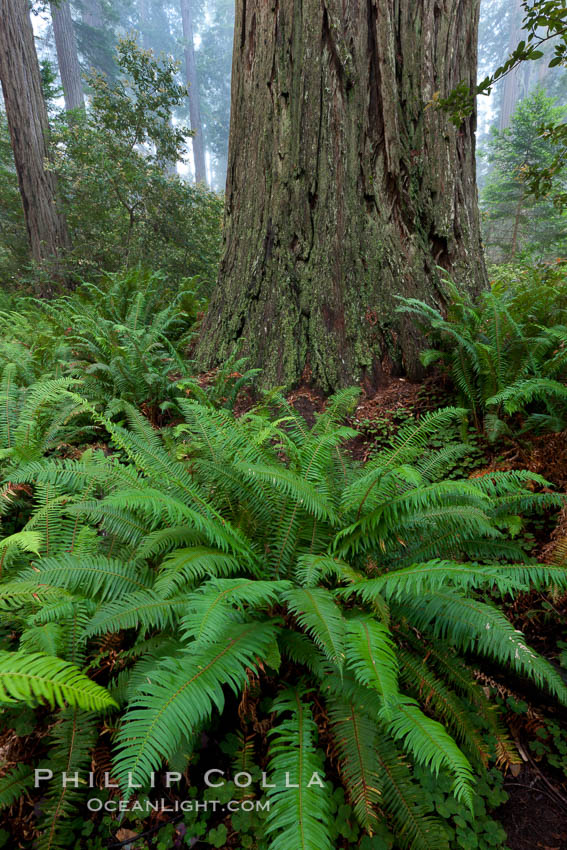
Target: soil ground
column 533, row 817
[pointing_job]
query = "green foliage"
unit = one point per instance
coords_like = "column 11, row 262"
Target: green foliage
column 300, row 815
column 125, row 338
column 544, row 20
column 254, row 557
column 551, row 745
column 14, row 785
column 501, row 359
column 115, row 164
column 465, row 829
column 515, row 220
column 547, row 179
column 225, row 384
column 38, row 678
column 123, row 200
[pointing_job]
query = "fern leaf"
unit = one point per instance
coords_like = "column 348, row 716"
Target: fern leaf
column 15, row 784
column 39, row 678
column 401, row 797
column 431, row 745
column 93, row 576
column 469, row 623
column 312, row 568
column 354, row 734
column 299, row 816
column 142, row 610
column 320, row 616
column 185, row 566
column 371, row 656
column 209, row 608
column 180, row 696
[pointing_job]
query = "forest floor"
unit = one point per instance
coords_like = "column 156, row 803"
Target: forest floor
column 534, row 817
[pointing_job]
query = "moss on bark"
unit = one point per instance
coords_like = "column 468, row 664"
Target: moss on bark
column 344, row 189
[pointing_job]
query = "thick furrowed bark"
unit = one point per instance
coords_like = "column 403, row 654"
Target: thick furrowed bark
column 344, row 189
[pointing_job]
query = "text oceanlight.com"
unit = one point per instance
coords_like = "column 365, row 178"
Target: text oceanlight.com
column 173, row 806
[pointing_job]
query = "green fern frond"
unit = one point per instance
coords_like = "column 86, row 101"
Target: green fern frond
column 371, row 655
column 94, row 576
column 218, row 601
column 426, row 578
column 184, row 567
column 469, row 623
column 317, row 613
column 39, row 678
column 425, row 686
column 46, row 638
column 431, row 745
column 299, row 816
column 518, row 395
column 401, row 797
column 180, row 696
column 142, row 609
column 15, row 784
column 303, row 494
column 23, row 595
column 312, row 568
column 354, row 734
column 24, row 541
column 72, row 741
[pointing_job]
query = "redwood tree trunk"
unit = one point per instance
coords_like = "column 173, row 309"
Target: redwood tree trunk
column 27, row 121
column 67, row 58
column 92, row 14
column 197, row 140
column 512, row 82
column 344, row 189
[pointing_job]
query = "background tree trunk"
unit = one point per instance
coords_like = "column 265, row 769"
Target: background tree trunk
column 144, row 23
column 27, row 120
column 512, row 82
column 344, row 189
column 197, row 140
column 96, row 39
column 67, row 58
column 92, row 14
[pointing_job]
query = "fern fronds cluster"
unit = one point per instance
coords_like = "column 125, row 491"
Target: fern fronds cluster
column 500, row 360
column 255, row 547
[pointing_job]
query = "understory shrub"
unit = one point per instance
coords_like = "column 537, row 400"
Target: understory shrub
column 124, row 201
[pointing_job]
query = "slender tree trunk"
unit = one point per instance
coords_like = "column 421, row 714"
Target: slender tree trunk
column 92, row 14
column 516, row 230
column 512, row 82
column 28, row 124
column 197, row 140
column 96, row 40
column 220, row 173
column 144, row 21
column 149, row 24
column 67, row 58
column 344, row 188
